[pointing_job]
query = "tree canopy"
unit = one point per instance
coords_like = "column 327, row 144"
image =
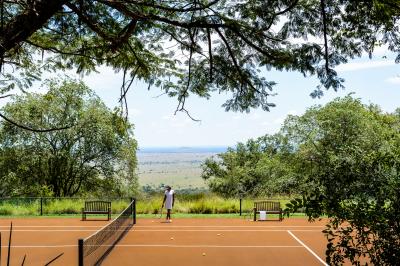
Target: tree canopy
column 261, row 167
column 96, row 155
column 349, row 155
column 193, row 46
column 339, row 160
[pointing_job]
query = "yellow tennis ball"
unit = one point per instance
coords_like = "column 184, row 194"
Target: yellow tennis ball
column 172, row 238
column 204, row 254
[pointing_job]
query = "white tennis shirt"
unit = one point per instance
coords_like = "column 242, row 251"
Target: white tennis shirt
column 168, row 200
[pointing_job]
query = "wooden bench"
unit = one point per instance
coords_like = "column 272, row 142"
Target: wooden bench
column 270, row 207
column 97, row 207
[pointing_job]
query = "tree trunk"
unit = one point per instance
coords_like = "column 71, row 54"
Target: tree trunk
column 22, row 26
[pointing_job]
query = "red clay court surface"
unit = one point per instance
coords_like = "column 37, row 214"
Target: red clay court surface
column 185, row 241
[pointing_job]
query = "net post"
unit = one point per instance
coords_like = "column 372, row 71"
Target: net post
column 41, row 206
column 240, row 207
column 80, row 252
column 134, row 210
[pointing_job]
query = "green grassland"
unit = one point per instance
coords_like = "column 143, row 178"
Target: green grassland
column 147, row 206
column 179, row 170
column 50, row 206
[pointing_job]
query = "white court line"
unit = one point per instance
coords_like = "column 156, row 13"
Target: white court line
column 239, row 226
column 224, row 230
column 309, row 249
column 164, row 230
column 206, row 246
column 52, row 230
column 154, row 245
column 55, row 226
column 39, row 246
column 179, row 226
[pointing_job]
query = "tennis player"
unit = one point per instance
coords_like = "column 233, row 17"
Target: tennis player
column 169, row 200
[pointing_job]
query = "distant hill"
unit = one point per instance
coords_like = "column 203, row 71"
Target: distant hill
column 201, row 149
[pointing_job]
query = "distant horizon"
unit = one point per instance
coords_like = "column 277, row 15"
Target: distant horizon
column 183, row 148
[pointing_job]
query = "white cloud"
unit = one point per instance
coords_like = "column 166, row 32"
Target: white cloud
column 244, row 116
column 292, row 112
column 364, row 65
column 393, row 80
column 168, row 117
column 266, row 123
column 279, row 120
column 255, row 116
column 178, row 121
column 133, row 112
column 236, row 117
column 381, row 50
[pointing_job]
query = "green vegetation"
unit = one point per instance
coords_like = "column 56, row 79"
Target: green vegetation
column 94, row 155
column 349, row 154
column 203, row 204
column 225, row 42
column 186, row 205
column 342, row 158
column 180, row 170
column 261, row 167
column 200, row 203
column 11, row 209
column 51, row 206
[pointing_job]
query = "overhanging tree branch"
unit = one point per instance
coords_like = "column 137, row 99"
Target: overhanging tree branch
column 32, row 129
column 91, row 24
column 166, row 8
column 325, row 32
column 23, row 25
column 290, row 7
column 235, row 63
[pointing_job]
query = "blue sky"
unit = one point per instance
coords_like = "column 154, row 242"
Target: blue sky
column 374, row 81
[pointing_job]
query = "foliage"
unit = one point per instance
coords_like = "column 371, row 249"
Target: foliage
column 51, row 206
column 193, row 203
column 95, row 155
column 343, row 159
column 349, row 153
column 261, row 167
column 197, row 203
column 193, row 46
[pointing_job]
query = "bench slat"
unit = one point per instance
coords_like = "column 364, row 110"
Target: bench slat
column 273, row 207
column 96, row 207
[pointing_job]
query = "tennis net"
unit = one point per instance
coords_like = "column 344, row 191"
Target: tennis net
column 93, row 249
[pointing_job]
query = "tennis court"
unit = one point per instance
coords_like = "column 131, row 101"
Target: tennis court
column 202, row 241
column 221, row 242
